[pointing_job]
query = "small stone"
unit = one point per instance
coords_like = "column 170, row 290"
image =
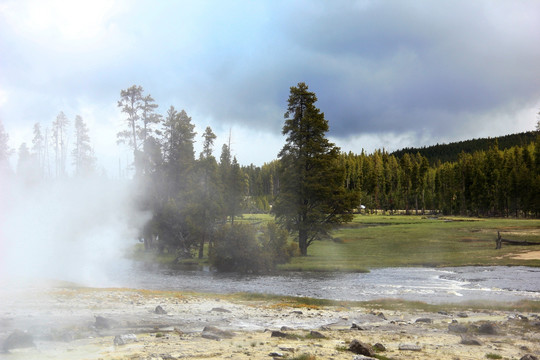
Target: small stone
column 276, row 354
column 469, row 340
column 487, row 329
column 221, row 310
column 362, row 357
column 462, row 315
column 409, row 347
column 286, row 328
column 442, row 312
column 457, row 328
column 357, row 327
column 102, row 323
column 361, row 348
column 316, row 335
column 379, row 347
column 159, row 310
column 286, row 348
column 297, row 312
column 424, row 320
column 124, row 339
column 213, row 333
column 528, row 357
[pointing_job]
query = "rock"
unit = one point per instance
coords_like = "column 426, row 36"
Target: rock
column 442, row 312
column 469, row 340
column 286, row 328
column 487, row 329
column 316, row 335
column 457, row 328
column 281, row 334
column 357, row 327
column 102, row 323
column 18, row 339
column 275, row 354
column 221, row 310
column 410, row 347
column 424, row 320
column 379, row 314
column 286, row 348
column 124, row 339
column 213, row 333
column 528, row 357
column 361, row 348
column 379, row 347
column 297, row 312
column 159, row 310
column 362, row 357
column 462, row 315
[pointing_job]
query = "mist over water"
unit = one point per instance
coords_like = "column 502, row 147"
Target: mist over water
column 73, row 229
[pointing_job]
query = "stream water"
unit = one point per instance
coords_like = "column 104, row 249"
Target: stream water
column 425, row 284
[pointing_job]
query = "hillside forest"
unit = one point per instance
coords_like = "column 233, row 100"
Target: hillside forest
column 194, row 197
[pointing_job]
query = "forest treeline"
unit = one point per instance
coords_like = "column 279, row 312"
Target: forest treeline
column 494, row 182
column 450, row 152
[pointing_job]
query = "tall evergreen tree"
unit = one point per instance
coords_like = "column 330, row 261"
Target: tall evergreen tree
column 60, row 143
column 312, row 198
column 39, row 148
column 82, row 153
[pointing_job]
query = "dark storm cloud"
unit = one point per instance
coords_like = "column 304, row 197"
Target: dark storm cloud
column 392, row 66
column 439, row 67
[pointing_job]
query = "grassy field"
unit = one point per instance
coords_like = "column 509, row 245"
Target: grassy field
column 373, row 241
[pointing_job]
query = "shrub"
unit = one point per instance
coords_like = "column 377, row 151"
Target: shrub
column 248, row 249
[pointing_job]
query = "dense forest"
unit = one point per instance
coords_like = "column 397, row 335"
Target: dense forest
column 492, row 182
column 194, row 200
column 450, row 152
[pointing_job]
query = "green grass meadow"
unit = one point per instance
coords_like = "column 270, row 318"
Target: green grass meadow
column 374, row 241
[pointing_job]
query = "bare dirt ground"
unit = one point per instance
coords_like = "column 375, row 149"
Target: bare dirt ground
column 82, row 323
column 529, row 255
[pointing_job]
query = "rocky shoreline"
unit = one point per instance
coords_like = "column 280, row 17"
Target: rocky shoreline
column 85, row 323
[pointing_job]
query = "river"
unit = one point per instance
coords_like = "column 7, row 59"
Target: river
column 444, row 285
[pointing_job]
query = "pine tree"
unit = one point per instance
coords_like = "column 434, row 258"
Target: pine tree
column 82, row 153
column 312, row 198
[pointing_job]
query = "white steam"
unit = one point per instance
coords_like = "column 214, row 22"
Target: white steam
column 76, row 229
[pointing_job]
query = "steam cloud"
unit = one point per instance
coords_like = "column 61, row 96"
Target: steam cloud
column 74, row 229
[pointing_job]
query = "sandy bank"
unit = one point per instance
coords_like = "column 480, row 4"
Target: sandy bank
column 68, row 323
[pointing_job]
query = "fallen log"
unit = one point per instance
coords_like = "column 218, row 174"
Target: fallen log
column 500, row 241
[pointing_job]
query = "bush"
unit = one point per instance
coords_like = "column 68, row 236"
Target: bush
column 248, row 249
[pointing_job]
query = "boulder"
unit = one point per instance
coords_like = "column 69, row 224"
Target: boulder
column 361, row 348
column 18, row 339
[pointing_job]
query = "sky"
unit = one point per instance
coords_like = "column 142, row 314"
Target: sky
column 387, row 74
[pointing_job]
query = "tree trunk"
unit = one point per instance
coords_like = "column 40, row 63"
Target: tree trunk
column 302, row 242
